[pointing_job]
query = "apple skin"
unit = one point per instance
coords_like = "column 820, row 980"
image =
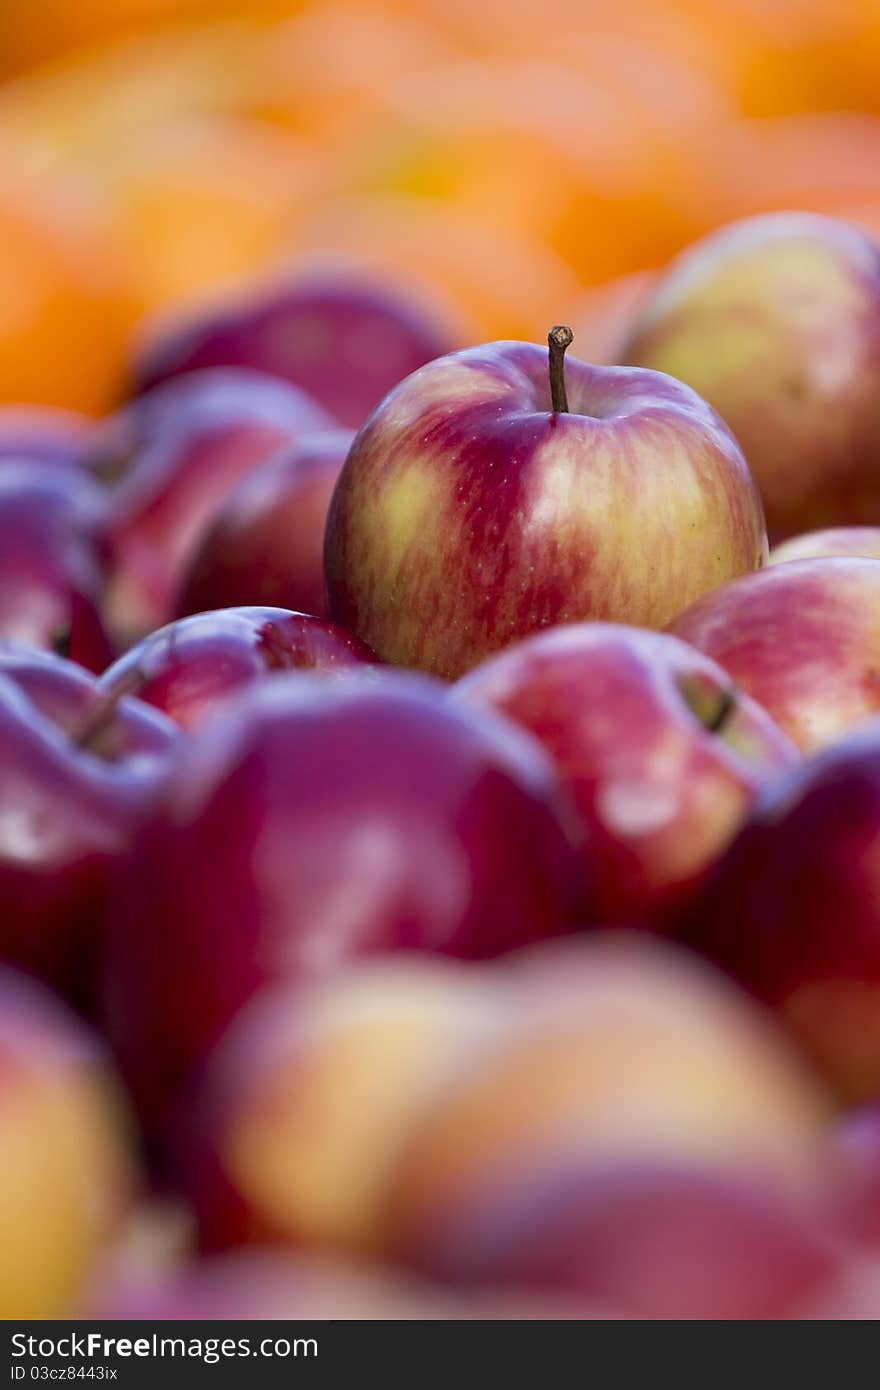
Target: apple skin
column 344, row 341
column 269, row 1285
column 859, row 541
column 175, row 455
column 800, row 638
column 187, row 668
column 266, row 542
column 586, row 1150
column 51, row 573
column 627, row 715
column 792, row 910
column 469, row 514
column 66, row 812
column 310, row 822
column 66, row 1169
column 44, row 434
column 776, row 322
column 304, row 1106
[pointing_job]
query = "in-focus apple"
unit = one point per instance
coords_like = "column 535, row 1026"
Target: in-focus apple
column 187, row 668
column 776, row 321
column 661, row 753
column 66, row 1175
column 176, row 453
column 793, row 909
column 802, row 639
column 335, row 334
column 76, row 774
column 313, row 821
column 266, row 542
column 476, row 507
column 50, row 561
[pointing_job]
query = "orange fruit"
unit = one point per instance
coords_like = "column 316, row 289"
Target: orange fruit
column 61, row 325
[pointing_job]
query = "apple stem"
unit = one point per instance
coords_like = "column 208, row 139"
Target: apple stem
column 89, row 732
column 726, row 706
column 559, row 338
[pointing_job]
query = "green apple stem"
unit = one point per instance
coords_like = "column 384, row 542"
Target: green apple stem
column 559, row 338
column 88, row 735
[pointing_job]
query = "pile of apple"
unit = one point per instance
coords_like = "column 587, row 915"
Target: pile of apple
column 440, row 863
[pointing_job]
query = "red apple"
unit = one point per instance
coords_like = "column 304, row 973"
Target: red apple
column 638, row 1137
column 50, row 566
column 343, row 339
column 861, row 541
column 661, row 753
column 312, row 822
column 45, row 434
column 474, row 508
column 299, row 1120
column 266, row 542
column 75, row 777
column 802, row 639
column 65, row 1171
column 188, row 667
column 776, row 322
column 793, row 910
column 266, row 1285
column 180, row 450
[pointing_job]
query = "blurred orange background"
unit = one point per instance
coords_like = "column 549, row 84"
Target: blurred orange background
column 523, row 163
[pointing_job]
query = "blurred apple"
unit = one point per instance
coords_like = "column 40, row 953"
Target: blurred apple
column 861, row 541
column 639, row 1136
column 800, row 638
column 793, row 910
column 266, row 542
column 65, row 1172
column 265, row 1285
column 314, row 821
column 75, row 777
column 475, row 507
column 340, row 337
column 187, row 668
column 661, row 753
column 175, row 454
column 776, row 322
column 45, row 434
column 312, row 1093
column 51, row 573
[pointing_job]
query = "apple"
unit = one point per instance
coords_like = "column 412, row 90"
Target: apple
column 793, row 909
column 854, row 1144
column 66, row 1173
column 188, row 667
column 775, row 320
column 175, row 454
column 861, row 541
column 339, row 336
column 307, row 1101
column 800, row 638
column 310, row 822
column 639, row 1137
column 266, row 542
column 271, row 1285
column 46, row 434
column 475, row 508
column 76, row 774
column 51, row 571
column 661, row 753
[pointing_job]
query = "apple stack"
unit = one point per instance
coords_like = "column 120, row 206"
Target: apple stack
column 439, row 838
